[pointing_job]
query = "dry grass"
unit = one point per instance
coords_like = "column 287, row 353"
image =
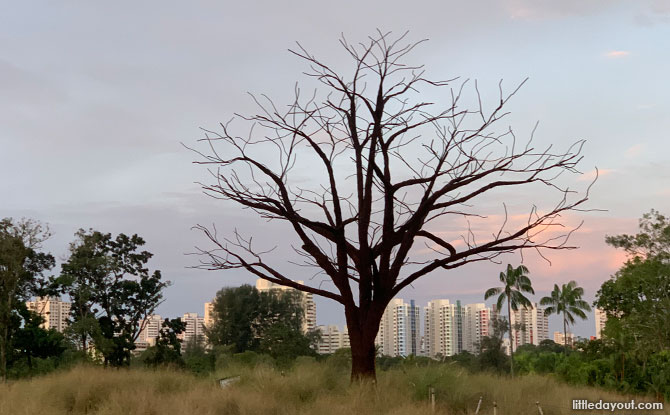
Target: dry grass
column 310, row 388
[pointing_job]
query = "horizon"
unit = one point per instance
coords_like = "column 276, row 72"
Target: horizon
column 98, row 102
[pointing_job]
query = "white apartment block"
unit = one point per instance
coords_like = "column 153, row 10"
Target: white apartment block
column 332, row 338
column 307, row 302
column 209, row 314
column 195, row 328
column 150, row 331
column 54, row 311
column 601, row 319
column 476, row 325
column 443, row 325
column 559, row 338
column 400, row 332
column 535, row 326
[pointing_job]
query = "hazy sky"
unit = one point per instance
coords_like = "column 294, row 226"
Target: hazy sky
column 95, row 99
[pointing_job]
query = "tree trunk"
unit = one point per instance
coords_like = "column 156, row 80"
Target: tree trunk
column 565, row 334
column 511, row 338
column 3, row 355
column 362, row 336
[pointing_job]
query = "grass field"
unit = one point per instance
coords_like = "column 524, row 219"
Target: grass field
column 309, row 388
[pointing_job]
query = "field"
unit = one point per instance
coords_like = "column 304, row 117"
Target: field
column 308, row 388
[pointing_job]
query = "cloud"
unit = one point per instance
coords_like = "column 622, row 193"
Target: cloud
column 615, row 54
column 590, row 175
column 634, row 151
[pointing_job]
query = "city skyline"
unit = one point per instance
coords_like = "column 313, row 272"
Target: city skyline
column 99, row 115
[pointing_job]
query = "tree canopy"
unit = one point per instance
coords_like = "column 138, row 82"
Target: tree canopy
column 112, row 292
column 261, row 321
column 566, row 301
column 636, row 298
column 23, row 270
column 515, row 283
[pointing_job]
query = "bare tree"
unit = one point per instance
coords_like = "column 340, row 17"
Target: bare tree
column 391, row 171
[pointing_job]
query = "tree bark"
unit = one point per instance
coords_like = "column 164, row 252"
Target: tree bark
column 511, row 338
column 3, row 354
column 362, row 334
column 565, row 334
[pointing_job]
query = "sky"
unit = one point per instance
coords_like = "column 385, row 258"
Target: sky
column 98, row 99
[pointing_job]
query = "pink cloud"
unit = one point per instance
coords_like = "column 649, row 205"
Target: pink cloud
column 634, row 151
column 617, row 54
column 590, row 175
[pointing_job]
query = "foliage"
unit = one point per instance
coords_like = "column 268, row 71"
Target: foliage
column 22, row 276
column 32, row 341
column 307, row 388
column 636, row 298
column 112, row 292
column 197, row 359
column 515, row 283
column 599, row 363
column 263, row 321
column 167, row 350
column 567, row 302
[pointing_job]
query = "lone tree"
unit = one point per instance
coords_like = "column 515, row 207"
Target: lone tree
column 385, row 172
column 567, row 302
column 516, row 282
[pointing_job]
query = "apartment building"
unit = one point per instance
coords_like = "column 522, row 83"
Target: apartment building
column 534, row 325
column 559, row 338
column 209, row 315
column 332, row 338
column 195, row 328
column 476, row 325
column 443, row 328
column 149, row 333
column 399, row 331
column 54, row 311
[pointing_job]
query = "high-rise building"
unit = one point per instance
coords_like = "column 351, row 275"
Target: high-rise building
column 601, row 319
column 399, row 331
column 534, row 325
column 149, row 333
column 559, row 338
column 54, row 311
column 443, row 328
column 476, row 325
column 195, row 328
column 307, row 301
column 209, row 314
column 332, row 338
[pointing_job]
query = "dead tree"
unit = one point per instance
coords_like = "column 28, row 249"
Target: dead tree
column 391, row 171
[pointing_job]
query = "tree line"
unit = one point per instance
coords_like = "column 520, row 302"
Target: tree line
column 110, row 287
column 633, row 355
column 112, row 292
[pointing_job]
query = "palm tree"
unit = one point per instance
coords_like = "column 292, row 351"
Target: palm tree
column 567, row 301
column 515, row 283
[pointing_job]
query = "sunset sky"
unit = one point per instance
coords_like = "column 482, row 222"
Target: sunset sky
column 96, row 99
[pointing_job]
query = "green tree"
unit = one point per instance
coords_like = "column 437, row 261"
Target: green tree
column 492, row 355
column 267, row 321
column 636, row 298
column 112, row 292
column 284, row 343
column 167, row 350
column 32, row 341
column 515, row 283
column 22, row 275
column 197, row 359
column 567, row 302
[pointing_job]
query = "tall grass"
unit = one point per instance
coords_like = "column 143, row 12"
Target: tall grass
column 307, row 388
